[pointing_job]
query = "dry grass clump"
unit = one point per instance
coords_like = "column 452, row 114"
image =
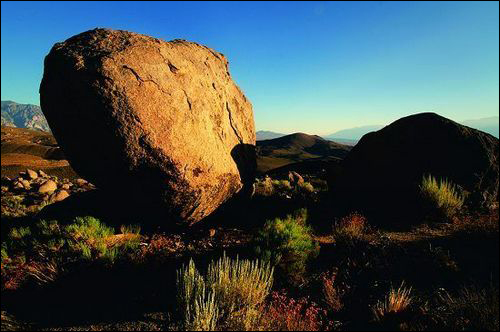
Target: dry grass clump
column 333, row 291
column 471, row 309
column 397, row 301
column 227, row 297
column 441, row 198
column 350, row 229
column 264, row 187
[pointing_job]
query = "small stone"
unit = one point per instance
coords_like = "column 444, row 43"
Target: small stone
column 48, row 187
column 31, row 174
column 65, row 186
column 42, row 174
column 6, row 179
column 59, row 196
column 26, row 184
column 211, row 232
column 81, row 182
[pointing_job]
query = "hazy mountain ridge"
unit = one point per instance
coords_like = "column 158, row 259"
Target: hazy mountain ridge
column 488, row 125
column 23, row 116
column 266, row 134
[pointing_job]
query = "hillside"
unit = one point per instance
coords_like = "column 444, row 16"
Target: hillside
column 26, row 148
column 295, row 148
column 23, row 116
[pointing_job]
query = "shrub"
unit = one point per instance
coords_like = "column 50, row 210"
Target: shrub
column 472, row 309
column 350, row 229
column 441, row 198
column 333, row 291
column 288, row 241
column 264, row 187
column 286, row 314
column 228, row 296
column 396, row 302
column 47, row 244
column 281, row 185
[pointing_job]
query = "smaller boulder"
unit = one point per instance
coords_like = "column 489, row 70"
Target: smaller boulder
column 48, row 187
column 26, row 184
column 31, row 174
column 59, row 196
column 81, row 182
column 17, row 185
column 42, row 174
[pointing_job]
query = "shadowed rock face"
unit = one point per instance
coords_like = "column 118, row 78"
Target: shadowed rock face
column 157, row 121
column 382, row 173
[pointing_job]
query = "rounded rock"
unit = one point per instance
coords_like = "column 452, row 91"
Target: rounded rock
column 165, row 117
column 48, row 186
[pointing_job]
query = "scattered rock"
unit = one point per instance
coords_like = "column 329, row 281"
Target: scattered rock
column 295, row 178
column 166, row 117
column 6, row 180
column 65, row 186
column 26, row 184
column 211, row 232
column 48, row 187
column 59, row 195
column 81, row 182
column 31, row 174
column 42, row 174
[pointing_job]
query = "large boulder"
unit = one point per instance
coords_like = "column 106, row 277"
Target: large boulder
column 159, row 122
column 382, row 173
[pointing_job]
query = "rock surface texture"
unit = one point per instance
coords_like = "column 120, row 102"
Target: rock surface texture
column 382, row 173
column 160, row 121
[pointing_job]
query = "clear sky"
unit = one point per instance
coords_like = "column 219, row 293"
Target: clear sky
column 314, row 67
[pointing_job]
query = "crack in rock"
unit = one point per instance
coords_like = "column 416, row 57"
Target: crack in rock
column 232, row 125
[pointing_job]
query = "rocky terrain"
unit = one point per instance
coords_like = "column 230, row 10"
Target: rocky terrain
column 25, row 148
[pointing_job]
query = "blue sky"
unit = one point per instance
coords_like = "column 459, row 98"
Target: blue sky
column 314, row 67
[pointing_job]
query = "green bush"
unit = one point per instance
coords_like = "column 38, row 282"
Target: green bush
column 282, row 185
column 288, row 241
column 86, row 238
column 441, row 198
column 227, row 297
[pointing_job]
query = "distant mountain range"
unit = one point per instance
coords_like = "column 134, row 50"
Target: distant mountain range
column 488, row 125
column 264, row 134
column 353, row 134
column 23, row 116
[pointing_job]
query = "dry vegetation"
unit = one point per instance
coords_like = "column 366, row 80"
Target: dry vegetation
column 292, row 273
